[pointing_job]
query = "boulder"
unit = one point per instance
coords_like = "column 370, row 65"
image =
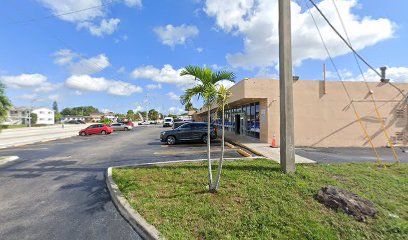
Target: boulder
column 336, row 198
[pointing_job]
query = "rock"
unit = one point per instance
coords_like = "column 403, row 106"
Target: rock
column 336, row 198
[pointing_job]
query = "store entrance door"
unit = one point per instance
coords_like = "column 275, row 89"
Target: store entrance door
column 237, row 124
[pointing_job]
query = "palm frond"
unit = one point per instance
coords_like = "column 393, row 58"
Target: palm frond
column 223, row 75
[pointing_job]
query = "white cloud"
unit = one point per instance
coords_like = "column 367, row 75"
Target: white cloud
column 165, row 75
column 113, row 87
column 79, row 65
column 395, row 74
column 173, row 96
column 90, row 65
column 138, row 109
column 256, row 21
column 344, row 73
column 226, row 83
column 172, row 35
column 199, row 50
column 36, row 82
column 24, row 80
column 59, row 7
column 133, row 3
column 105, row 27
column 176, row 110
column 64, row 56
column 87, row 13
column 154, row 86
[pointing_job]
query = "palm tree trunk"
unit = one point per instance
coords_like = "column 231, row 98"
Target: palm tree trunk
column 217, row 181
column 209, row 148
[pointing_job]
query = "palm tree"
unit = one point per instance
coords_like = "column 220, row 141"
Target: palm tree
column 222, row 99
column 5, row 104
column 205, row 89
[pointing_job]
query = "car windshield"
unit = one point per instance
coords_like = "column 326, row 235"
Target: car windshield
column 167, row 120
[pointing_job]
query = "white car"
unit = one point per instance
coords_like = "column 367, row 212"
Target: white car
column 121, row 127
column 168, row 122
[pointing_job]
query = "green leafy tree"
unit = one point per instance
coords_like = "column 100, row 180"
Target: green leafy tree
column 34, row 118
column 153, row 114
column 55, row 106
column 206, row 89
column 5, row 104
column 79, row 111
column 130, row 115
column 105, row 120
column 223, row 95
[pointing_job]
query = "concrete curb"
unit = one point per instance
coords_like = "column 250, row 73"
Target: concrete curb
column 9, row 159
column 244, row 153
column 141, row 226
column 246, row 147
column 229, row 145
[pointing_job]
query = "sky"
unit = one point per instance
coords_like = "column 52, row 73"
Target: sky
column 118, row 55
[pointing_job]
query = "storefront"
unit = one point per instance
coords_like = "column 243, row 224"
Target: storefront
column 322, row 113
column 242, row 119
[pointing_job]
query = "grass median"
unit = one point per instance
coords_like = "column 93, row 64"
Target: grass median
column 256, row 200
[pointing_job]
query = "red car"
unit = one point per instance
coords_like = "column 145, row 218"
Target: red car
column 96, row 129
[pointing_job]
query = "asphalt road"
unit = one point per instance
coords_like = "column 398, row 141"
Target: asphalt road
column 351, row 155
column 56, row 190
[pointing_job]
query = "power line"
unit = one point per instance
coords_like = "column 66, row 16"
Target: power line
column 59, row 15
column 351, row 48
column 344, row 40
column 345, row 88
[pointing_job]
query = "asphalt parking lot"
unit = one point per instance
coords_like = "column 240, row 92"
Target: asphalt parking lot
column 56, row 190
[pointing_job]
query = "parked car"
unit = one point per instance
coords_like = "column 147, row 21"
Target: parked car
column 178, row 124
column 194, row 131
column 121, row 127
column 129, row 124
column 81, row 122
column 168, row 122
column 96, row 129
column 73, row 122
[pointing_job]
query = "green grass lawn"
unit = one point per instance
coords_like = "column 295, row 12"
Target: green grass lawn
column 256, row 200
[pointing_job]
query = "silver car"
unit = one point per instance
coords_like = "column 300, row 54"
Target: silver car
column 121, row 127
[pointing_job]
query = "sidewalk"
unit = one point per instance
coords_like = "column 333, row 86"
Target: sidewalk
column 262, row 149
column 23, row 136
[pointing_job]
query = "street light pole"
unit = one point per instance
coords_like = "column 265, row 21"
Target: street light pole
column 287, row 143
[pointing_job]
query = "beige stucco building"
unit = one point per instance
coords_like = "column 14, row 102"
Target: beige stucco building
column 323, row 114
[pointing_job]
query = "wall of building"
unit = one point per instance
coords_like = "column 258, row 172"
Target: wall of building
column 44, row 116
column 328, row 119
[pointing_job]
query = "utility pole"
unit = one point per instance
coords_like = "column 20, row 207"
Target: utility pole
column 287, row 141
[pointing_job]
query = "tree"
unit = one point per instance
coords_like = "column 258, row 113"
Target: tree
column 223, row 95
column 5, row 104
column 55, row 106
column 79, row 111
column 153, row 114
column 130, row 115
column 206, row 90
column 105, row 120
column 34, row 118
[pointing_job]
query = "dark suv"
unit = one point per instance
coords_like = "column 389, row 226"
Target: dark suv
column 188, row 132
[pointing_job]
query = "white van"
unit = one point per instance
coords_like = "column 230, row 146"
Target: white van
column 168, row 122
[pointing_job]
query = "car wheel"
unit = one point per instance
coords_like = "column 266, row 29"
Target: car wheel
column 103, row 132
column 126, row 129
column 171, row 140
column 204, row 139
column 83, row 134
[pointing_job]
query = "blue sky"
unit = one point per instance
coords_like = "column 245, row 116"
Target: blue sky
column 112, row 56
